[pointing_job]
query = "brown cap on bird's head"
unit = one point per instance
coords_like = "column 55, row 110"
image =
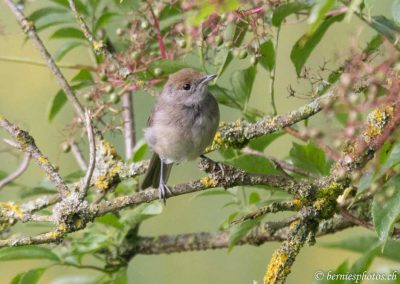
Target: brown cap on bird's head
column 188, row 80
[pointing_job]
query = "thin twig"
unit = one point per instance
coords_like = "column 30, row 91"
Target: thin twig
column 92, row 154
column 161, row 44
column 77, row 153
column 19, row 171
column 272, row 74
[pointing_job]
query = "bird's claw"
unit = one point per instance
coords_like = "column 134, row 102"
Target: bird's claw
column 163, row 192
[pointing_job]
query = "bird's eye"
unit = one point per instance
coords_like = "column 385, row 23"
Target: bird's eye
column 186, row 87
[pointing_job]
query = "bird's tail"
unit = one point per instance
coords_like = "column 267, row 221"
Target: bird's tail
column 152, row 178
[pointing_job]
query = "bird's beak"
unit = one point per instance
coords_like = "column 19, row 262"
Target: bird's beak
column 207, row 78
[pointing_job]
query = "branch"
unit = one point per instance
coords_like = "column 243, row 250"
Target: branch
column 161, row 44
column 128, row 123
column 237, row 134
column 29, row 29
column 265, row 232
column 27, row 144
column 19, row 171
column 98, row 45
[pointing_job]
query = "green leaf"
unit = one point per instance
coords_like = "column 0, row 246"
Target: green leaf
column 120, row 277
column 386, row 215
column 242, row 83
column 387, row 28
column 78, row 279
column 254, row 164
column 306, row 44
column 364, row 262
column 30, row 277
column 392, row 160
column 262, row 142
column 38, row 14
column 27, row 252
column 104, row 19
column 254, row 198
column 110, row 219
column 65, row 48
column 83, row 75
column 287, row 9
column 68, row 32
column 170, row 11
column 56, row 105
column 143, row 212
column 140, row 150
column 318, row 12
column 169, row 66
column 310, row 158
column 267, row 58
column 238, row 231
column 223, row 96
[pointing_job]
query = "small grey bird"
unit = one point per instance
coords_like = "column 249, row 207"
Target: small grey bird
column 182, row 124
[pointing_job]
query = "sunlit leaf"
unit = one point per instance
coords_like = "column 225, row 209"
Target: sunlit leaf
column 104, row 19
column 110, row 219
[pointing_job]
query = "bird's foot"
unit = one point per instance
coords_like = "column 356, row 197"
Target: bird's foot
column 163, row 192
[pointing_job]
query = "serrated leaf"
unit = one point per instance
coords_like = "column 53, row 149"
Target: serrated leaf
column 310, row 158
column 110, row 219
column 56, row 105
column 238, row 231
column 68, row 32
column 104, row 19
column 262, row 142
column 40, row 13
column 267, row 58
column 27, row 252
column 65, row 48
column 386, row 215
column 285, row 10
column 242, row 83
column 30, row 277
column 306, row 44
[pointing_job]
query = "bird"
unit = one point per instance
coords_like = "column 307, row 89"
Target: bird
column 183, row 122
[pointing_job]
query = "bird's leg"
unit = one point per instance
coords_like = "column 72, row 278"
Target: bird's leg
column 163, row 189
column 219, row 165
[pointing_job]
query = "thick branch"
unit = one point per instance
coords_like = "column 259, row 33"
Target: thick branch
column 128, row 123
